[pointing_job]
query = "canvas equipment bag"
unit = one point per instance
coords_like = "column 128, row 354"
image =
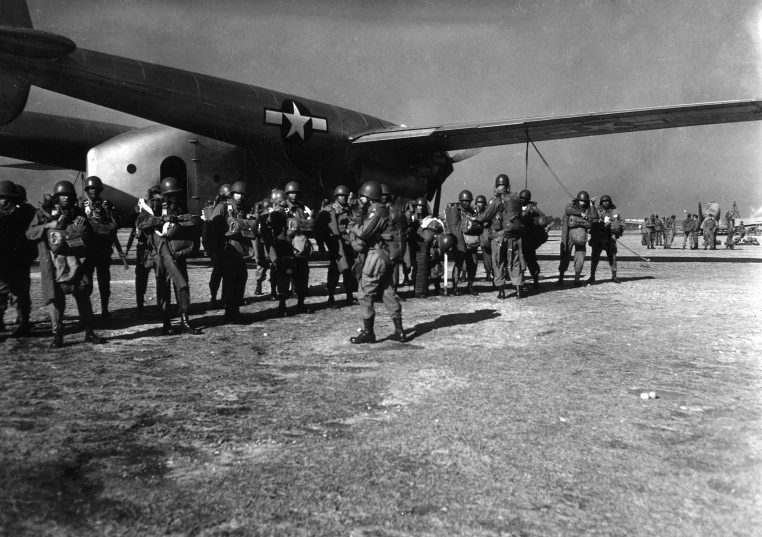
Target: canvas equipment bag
column 184, row 238
column 302, row 245
column 74, row 241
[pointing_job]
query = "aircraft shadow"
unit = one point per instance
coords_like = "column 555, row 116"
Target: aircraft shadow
column 451, row 319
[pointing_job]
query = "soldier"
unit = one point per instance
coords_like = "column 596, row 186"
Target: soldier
column 669, row 230
column 578, row 217
column 143, row 258
column 651, row 225
column 696, row 227
column 710, row 229
column 659, row 230
column 603, row 235
column 215, row 227
column 504, row 215
column 171, row 269
column 377, row 270
column 262, row 259
column 62, row 231
column 341, row 257
column 688, row 228
column 238, row 247
column 101, row 214
column 731, row 229
column 419, row 244
column 299, row 219
column 644, row 232
column 481, row 206
column 460, row 215
column 397, row 241
column 14, row 265
column 534, row 234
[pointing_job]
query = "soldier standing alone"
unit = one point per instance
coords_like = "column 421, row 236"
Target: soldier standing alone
column 377, row 270
column 603, row 236
column 710, row 229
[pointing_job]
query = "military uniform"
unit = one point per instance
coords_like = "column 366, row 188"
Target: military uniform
column 603, row 235
column 170, row 268
column 659, row 230
column 144, row 262
column 689, row 225
column 341, row 257
column 377, row 270
column 503, row 212
column 15, row 259
column 419, row 244
column 466, row 251
column 731, row 229
column 710, row 229
column 484, row 242
column 534, row 237
column 101, row 214
column 651, row 225
column 63, row 274
column 584, row 219
column 236, row 250
column 669, row 230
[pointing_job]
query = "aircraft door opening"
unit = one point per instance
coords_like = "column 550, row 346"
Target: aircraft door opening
column 175, row 167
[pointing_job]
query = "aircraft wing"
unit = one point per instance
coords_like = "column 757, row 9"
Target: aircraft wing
column 55, row 141
column 516, row 131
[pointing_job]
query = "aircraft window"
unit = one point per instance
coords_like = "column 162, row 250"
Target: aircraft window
column 131, row 168
column 216, row 178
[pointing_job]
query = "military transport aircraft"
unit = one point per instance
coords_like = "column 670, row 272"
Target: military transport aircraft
column 219, row 130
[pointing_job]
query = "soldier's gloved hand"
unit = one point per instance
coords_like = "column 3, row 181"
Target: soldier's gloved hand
column 62, row 222
column 171, row 218
column 79, row 221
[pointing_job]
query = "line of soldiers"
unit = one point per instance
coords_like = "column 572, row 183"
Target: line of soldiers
column 371, row 241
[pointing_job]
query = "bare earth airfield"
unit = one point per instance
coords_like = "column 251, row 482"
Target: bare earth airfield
column 499, row 417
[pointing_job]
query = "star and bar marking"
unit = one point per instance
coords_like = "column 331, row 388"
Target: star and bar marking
column 295, row 121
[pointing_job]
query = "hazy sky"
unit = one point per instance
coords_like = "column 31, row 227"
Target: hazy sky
column 435, row 62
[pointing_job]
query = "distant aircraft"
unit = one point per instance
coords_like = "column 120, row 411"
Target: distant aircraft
column 223, row 130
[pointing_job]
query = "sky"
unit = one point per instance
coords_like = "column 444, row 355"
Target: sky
column 436, row 62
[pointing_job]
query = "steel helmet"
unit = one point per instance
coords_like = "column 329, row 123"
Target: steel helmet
column 170, row 185
column 224, row 190
column 583, row 196
column 371, row 190
column 94, row 182
column 20, row 192
column 525, row 195
column 421, row 202
column 293, row 186
column 64, row 187
column 465, row 196
column 446, row 242
column 239, row 187
column 385, row 190
column 266, row 203
column 155, row 189
column 502, row 179
column 8, row 189
column 481, row 199
column 279, row 197
column 341, row 190
column 605, row 197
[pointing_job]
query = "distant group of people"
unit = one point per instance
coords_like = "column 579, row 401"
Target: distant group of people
column 658, row 232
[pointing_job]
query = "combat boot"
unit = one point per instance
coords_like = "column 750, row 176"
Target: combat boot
column 560, row 281
column 166, row 326
column 350, row 298
column 57, row 342
column 520, row 292
column 141, row 307
column 23, row 329
column 282, row 311
column 576, row 280
column 331, row 302
column 591, row 279
column 105, row 315
column 185, row 327
column 92, row 337
column 437, row 288
column 213, row 304
column 367, row 335
column 301, row 307
column 470, row 289
column 273, row 291
column 614, row 278
column 536, row 283
column 455, row 291
column 258, row 290
column 399, row 332
column 501, row 293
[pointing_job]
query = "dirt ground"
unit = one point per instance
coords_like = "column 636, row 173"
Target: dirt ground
column 498, row 418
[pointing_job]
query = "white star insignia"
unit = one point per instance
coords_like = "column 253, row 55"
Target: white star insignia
column 297, row 121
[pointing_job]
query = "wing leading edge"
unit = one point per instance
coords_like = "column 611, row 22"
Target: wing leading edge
column 494, row 133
